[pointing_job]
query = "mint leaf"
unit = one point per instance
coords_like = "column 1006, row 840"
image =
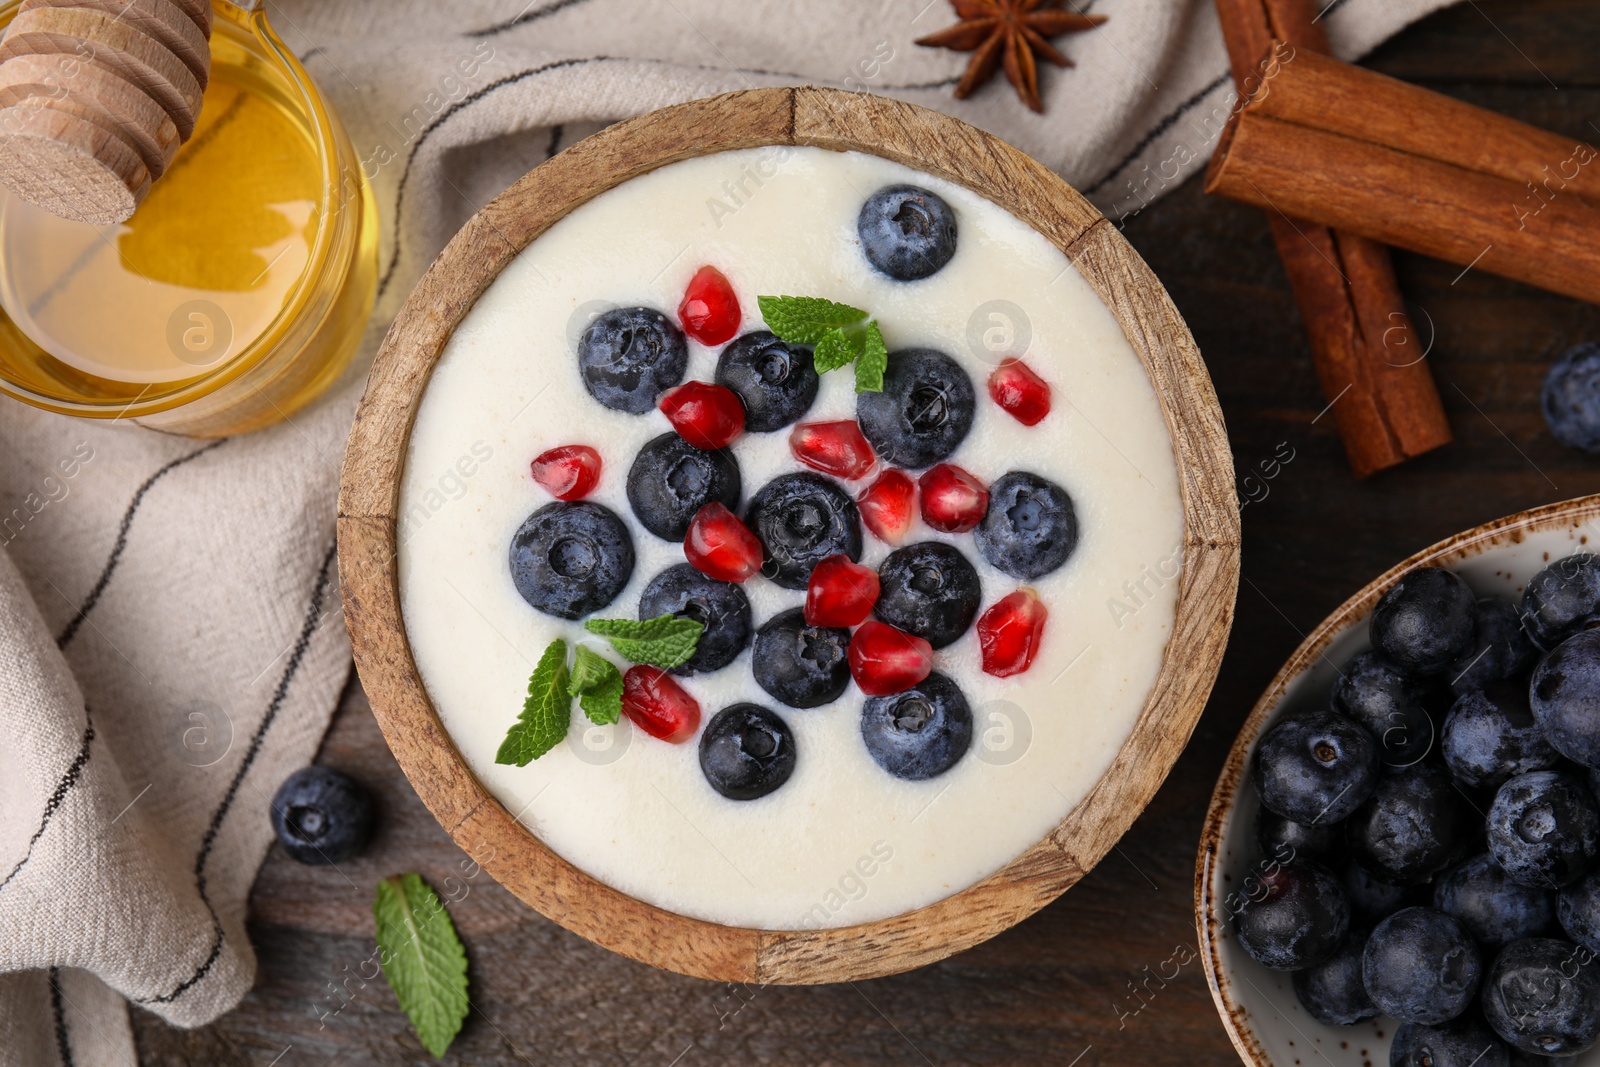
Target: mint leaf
column 666, row 641
column 597, row 684
column 832, row 352
column 422, row 958
column 546, row 713
column 805, row 320
column 872, row 362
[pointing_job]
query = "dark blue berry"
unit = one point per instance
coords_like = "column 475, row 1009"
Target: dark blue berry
column 321, row 816
column 906, row 232
column 1564, row 696
column 571, row 559
column 802, row 519
column 1544, row 829
column 746, row 752
column 671, row 479
column 1332, row 992
column 1426, row 621
column 1299, row 921
column 1578, row 910
column 1285, row 840
column 923, row 412
column 930, row 590
column 1542, row 995
column 1421, row 966
column 1570, row 397
column 1413, row 826
column 1562, row 599
column 776, row 381
column 1030, row 528
column 1502, row 650
column 1315, row 768
column 721, row 607
column 1490, row 736
column 1398, row 710
column 1372, row 898
column 1494, row 909
column 801, row 665
column 1463, row 1042
column 921, row 732
column 630, row 356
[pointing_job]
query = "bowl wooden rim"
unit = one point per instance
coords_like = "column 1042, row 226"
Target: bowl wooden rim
column 1352, row 612
column 374, row 464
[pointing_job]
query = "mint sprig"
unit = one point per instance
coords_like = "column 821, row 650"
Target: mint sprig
column 422, row 958
column 546, row 713
column 597, row 685
column 840, row 334
column 666, row 641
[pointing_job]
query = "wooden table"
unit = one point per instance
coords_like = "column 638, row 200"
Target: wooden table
column 1058, row 988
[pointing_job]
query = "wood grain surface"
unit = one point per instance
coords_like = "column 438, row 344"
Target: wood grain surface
column 1078, row 983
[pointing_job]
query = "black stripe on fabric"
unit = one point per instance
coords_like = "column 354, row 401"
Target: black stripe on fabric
column 63, row 787
column 1158, row 129
column 292, row 668
column 555, row 140
column 121, row 543
column 524, row 18
column 63, row 1046
column 1331, row 8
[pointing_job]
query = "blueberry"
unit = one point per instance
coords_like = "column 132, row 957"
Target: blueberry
column 802, row 666
column 906, row 232
column 1570, row 397
column 1332, row 992
column 1542, row 995
column 1463, row 1042
column 1285, row 840
column 1299, row 921
column 1562, row 599
column 923, row 412
column 1315, row 768
column 571, row 559
column 1490, row 736
column 1578, row 910
column 775, row 380
column 671, row 479
column 1414, row 825
column 1426, row 621
column 629, row 356
column 802, row 519
column 1421, row 966
column 921, row 732
column 746, row 752
column 1030, row 528
column 721, row 607
column 1397, row 709
column 1494, row 909
column 1544, row 829
column 1565, row 697
column 928, row 589
column 1502, row 650
column 1372, row 898
column 321, row 816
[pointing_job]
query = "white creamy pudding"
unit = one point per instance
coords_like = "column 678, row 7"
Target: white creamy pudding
column 841, row 840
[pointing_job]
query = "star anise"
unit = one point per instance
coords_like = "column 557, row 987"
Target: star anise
column 1008, row 33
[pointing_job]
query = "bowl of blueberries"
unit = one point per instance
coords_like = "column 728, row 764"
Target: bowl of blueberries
column 1401, row 860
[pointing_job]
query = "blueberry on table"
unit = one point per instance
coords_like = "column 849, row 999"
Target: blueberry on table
column 1544, row 829
column 1542, row 996
column 930, row 590
column 802, row 519
column 1285, row 840
column 1333, row 992
column 1297, row 919
column 776, row 381
column 1315, row 768
column 920, row 732
column 1421, row 966
column 671, row 479
column 1578, row 910
column 1564, row 695
column 746, row 752
column 1494, row 909
column 801, row 665
column 1413, row 826
column 1463, row 1042
column 1031, row 527
column 321, row 816
column 1399, row 710
column 1490, row 736
column 1570, row 397
column 630, row 356
column 1371, row 898
column 721, row 607
column 924, row 411
column 1562, row 599
column 906, row 232
column 1503, row 650
column 1426, row 621
column 571, row 559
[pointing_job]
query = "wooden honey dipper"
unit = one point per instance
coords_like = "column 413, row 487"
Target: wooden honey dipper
column 96, row 96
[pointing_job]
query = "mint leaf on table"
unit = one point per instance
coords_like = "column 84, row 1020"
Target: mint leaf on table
column 546, row 713
column 872, row 362
column 805, row 320
column 422, row 958
column 597, row 684
column 666, row 641
column 840, row 334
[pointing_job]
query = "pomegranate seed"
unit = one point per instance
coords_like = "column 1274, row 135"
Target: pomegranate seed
column 886, row 506
column 953, row 501
column 658, row 705
column 720, row 545
column 841, row 593
column 1009, row 633
column 1018, row 390
column 884, row 660
column 705, row 415
column 710, row 310
column 837, row 448
column 569, row 472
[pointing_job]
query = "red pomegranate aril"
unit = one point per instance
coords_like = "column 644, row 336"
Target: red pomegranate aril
column 569, row 472
column 841, row 593
column 885, row 506
column 837, row 448
column 953, row 501
column 709, row 311
column 707, row 416
column 719, row 545
column 1018, row 390
column 884, row 660
column 1010, row 631
column 658, row 705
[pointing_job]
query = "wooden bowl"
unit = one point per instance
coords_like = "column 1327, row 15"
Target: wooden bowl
column 1265, row 1020
column 836, row 120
